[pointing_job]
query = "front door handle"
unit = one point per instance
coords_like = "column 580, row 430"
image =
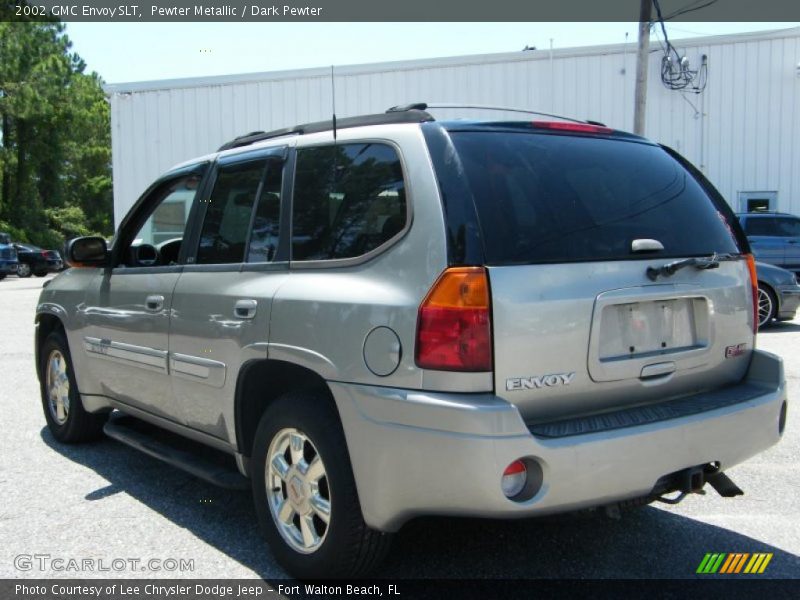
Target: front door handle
column 154, row 303
column 245, row 309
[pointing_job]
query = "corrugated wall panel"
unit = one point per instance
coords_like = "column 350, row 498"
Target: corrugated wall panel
column 742, row 131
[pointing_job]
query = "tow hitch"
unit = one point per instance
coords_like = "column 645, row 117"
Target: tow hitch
column 687, row 481
column 692, row 481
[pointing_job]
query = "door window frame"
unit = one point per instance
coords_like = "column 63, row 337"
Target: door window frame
column 281, row 259
column 143, row 209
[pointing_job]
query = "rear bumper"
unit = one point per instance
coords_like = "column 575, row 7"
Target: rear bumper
column 420, row 453
column 46, row 266
column 789, row 301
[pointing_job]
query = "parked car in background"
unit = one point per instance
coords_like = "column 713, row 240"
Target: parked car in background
column 778, row 294
column 774, row 237
column 8, row 256
column 36, row 261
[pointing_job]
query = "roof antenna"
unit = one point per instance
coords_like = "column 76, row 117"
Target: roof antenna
column 333, row 103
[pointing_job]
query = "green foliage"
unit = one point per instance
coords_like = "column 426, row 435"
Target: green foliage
column 17, row 235
column 55, row 152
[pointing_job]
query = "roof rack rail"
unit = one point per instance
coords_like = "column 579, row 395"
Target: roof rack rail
column 427, row 105
column 411, row 115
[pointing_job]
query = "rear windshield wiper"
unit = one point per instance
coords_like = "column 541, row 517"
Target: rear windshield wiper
column 711, row 262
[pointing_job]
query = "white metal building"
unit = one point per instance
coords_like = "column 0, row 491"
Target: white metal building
column 743, row 131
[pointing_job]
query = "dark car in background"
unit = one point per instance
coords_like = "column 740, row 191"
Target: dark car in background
column 8, row 256
column 37, row 261
column 778, row 294
column 774, row 237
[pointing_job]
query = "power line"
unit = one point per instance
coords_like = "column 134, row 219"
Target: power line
column 689, row 8
column 675, row 71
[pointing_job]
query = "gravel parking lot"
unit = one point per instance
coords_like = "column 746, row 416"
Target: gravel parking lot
column 103, row 501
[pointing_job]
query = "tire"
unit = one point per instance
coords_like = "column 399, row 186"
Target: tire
column 767, row 305
column 2, row 276
column 23, row 270
column 69, row 422
column 346, row 546
column 41, row 273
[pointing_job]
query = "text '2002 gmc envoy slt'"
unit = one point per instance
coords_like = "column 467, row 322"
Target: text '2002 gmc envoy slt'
column 389, row 316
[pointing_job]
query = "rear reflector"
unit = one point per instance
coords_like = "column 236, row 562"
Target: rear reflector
column 751, row 266
column 514, row 479
column 577, row 127
column 454, row 330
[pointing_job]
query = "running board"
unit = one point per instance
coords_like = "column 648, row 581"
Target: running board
column 196, row 459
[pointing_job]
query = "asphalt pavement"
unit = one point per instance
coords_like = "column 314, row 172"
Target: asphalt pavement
column 137, row 517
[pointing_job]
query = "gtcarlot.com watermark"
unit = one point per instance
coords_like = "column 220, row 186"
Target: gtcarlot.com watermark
column 71, row 564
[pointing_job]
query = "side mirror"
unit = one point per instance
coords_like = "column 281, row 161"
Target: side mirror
column 87, row 252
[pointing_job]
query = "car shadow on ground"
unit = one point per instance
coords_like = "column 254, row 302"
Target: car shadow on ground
column 645, row 543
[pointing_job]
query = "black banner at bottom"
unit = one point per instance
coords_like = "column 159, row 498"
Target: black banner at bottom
column 287, row 589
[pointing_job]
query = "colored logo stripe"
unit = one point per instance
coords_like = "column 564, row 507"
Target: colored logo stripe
column 711, row 563
column 734, row 563
column 724, row 563
column 758, row 564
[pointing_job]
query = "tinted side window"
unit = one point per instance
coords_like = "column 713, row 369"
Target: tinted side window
column 788, row 227
column 562, row 198
column 762, row 226
column 348, row 200
column 230, row 207
column 266, row 223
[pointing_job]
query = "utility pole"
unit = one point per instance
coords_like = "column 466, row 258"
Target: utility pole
column 642, row 59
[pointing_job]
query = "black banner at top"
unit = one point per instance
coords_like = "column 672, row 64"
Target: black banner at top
column 395, row 10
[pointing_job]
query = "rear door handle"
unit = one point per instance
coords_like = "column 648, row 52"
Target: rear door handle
column 245, row 309
column 154, row 303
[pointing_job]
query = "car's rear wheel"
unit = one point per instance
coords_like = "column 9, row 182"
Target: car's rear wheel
column 23, row 270
column 305, row 494
column 767, row 305
column 40, row 273
column 63, row 409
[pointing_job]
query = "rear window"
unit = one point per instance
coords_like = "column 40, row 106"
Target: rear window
column 565, row 198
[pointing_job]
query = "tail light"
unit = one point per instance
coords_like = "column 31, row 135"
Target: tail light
column 454, row 331
column 51, row 254
column 751, row 266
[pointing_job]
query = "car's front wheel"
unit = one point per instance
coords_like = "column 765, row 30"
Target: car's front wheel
column 63, row 409
column 305, row 494
column 767, row 305
column 23, row 270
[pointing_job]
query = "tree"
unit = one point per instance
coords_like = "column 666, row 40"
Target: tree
column 56, row 147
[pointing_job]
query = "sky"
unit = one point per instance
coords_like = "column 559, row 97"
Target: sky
column 127, row 52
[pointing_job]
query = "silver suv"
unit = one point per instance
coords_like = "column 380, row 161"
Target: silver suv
column 402, row 317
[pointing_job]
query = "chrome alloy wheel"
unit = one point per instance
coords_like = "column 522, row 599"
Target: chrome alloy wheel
column 57, row 382
column 764, row 307
column 297, row 490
